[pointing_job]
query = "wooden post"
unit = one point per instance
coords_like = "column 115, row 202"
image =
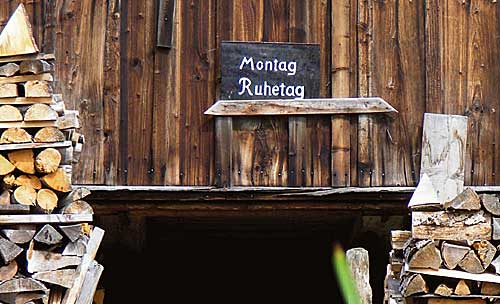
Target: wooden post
column 223, row 151
column 358, row 260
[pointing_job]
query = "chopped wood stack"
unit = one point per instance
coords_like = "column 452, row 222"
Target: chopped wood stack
column 39, row 141
column 47, row 246
column 451, row 254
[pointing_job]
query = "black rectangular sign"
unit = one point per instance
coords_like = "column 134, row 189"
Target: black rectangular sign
column 252, row 70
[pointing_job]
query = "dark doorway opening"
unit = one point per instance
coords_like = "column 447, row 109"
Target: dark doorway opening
column 257, row 260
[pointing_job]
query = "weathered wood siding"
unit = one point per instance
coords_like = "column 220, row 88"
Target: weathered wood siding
column 142, row 106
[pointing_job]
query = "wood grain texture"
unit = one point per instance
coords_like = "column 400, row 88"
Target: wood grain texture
column 419, row 56
column 197, row 90
column 309, row 137
column 444, row 141
column 166, row 110
column 344, row 84
column 112, row 95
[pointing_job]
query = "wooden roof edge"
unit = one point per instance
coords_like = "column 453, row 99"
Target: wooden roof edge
column 316, row 106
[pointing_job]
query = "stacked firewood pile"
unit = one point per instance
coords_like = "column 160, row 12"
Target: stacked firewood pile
column 47, row 246
column 451, row 254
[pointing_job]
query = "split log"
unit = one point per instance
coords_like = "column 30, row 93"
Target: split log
column 48, row 161
column 73, row 232
column 8, row 90
column 77, row 138
column 399, row 238
column 462, row 289
column 8, row 271
column 466, row 200
column 77, row 248
column 66, row 155
column 23, row 297
column 23, row 160
column 6, row 166
column 69, row 120
column 35, row 67
column 24, row 195
column 40, row 112
column 453, row 254
column 61, row 277
column 77, row 207
column 93, row 245
column 90, row 281
column 490, row 289
column 413, row 284
column 19, row 236
column 485, row 251
column 443, row 290
column 57, row 181
column 471, row 263
column 5, row 197
column 21, row 285
column 8, row 250
column 15, row 136
column 37, row 88
column 49, row 134
column 9, row 69
column 48, row 235
column 491, row 203
column 48, row 261
column 9, row 180
column 441, row 225
column 75, row 195
column 58, row 106
column 17, row 37
column 77, row 152
column 495, row 223
column 422, row 254
column 10, row 113
column 31, row 180
column 46, row 200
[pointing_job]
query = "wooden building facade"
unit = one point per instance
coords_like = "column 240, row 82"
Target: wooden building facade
column 142, row 105
column 141, row 108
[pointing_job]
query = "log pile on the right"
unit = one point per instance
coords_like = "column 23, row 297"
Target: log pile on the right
column 451, row 255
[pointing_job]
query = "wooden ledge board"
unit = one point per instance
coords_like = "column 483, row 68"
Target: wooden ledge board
column 24, row 78
column 28, row 124
column 457, row 274
column 10, row 147
column 39, row 56
column 27, row 100
column 479, row 296
column 45, row 218
column 327, row 106
column 14, row 209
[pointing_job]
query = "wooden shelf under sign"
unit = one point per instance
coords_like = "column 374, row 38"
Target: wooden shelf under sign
column 327, row 106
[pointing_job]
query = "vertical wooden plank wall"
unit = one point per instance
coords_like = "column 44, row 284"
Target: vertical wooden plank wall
column 142, row 106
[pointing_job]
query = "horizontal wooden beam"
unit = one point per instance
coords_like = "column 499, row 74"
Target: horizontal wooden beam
column 26, row 100
column 45, row 218
column 9, row 147
column 328, row 106
column 28, row 124
column 40, row 56
column 24, row 78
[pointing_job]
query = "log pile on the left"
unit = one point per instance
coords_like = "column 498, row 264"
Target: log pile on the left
column 47, row 246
